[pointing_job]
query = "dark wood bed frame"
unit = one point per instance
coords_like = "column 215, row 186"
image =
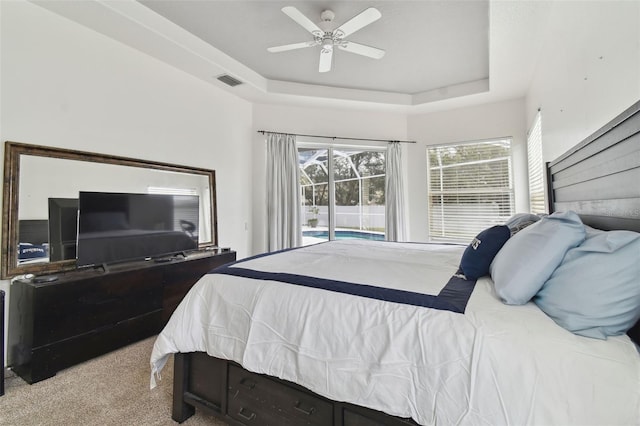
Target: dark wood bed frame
column 598, row 178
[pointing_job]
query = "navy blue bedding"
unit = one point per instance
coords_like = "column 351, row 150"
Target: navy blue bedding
column 453, row 296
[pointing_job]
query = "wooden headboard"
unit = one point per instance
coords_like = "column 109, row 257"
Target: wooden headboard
column 600, row 179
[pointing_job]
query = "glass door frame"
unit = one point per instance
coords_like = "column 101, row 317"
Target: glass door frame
column 330, row 148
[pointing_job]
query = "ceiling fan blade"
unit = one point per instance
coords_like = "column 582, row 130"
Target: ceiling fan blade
column 325, row 60
column 357, row 22
column 361, row 49
column 302, row 20
column 293, row 46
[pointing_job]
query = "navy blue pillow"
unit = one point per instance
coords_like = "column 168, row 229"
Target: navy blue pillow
column 31, row 251
column 478, row 256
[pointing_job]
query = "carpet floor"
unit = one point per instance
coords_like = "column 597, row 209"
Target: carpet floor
column 109, row 390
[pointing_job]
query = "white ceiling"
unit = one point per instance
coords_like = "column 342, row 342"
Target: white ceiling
column 439, row 53
column 429, row 45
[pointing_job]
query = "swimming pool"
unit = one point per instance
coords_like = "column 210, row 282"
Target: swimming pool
column 346, row 235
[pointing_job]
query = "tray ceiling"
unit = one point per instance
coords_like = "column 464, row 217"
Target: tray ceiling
column 429, row 44
column 439, row 53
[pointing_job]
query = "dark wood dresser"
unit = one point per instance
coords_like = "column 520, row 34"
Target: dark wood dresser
column 86, row 313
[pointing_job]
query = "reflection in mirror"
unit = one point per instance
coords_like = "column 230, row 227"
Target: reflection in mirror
column 62, row 226
column 41, row 203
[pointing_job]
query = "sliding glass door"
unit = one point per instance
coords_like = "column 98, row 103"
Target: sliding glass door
column 342, row 193
column 314, row 184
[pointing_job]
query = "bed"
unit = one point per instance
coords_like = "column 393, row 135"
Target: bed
column 405, row 336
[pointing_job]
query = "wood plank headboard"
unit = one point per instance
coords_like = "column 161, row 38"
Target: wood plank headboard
column 600, row 179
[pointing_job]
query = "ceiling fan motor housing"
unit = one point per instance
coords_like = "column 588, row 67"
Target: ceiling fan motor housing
column 329, row 38
column 327, row 16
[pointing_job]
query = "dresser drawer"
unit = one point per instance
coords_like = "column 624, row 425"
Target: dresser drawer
column 47, row 360
column 258, row 400
column 67, row 309
column 181, row 276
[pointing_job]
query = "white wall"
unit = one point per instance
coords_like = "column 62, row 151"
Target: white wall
column 504, row 119
column 588, row 71
column 311, row 121
column 66, row 86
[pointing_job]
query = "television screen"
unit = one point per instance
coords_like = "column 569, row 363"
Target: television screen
column 63, row 228
column 116, row 227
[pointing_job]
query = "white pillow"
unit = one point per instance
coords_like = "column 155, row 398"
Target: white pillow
column 529, row 257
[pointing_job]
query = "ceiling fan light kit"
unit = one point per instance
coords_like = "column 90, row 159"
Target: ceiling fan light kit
column 325, row 36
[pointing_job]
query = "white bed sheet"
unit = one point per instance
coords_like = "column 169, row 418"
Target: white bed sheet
column 494, row 364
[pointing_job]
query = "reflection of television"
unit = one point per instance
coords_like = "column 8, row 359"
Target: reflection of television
column 116, row 227
column 63, row 228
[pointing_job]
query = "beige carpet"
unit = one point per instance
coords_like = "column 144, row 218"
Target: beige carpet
column 110, row 390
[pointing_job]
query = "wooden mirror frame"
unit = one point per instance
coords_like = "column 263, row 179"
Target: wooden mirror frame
column 10, row 202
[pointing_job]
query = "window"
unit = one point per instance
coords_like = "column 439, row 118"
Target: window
column 342, row 193
column 470, row 188
column 537, row 200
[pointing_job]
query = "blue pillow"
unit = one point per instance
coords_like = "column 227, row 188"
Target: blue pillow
column 478, row 256
column 595, row 292
column 529, row 258
column 31, row 251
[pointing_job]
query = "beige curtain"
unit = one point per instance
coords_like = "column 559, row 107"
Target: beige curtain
column 395, row 226
column 284, row 229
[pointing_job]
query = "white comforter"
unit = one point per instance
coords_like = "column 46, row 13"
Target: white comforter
column 494, row 364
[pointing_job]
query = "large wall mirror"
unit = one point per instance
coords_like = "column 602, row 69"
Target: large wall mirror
column 42, row 183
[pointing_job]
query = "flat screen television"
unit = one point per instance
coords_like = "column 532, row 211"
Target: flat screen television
column 63, row 228
column 118, row 227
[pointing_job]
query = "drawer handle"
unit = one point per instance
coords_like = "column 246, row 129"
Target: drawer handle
column 248, row 383
column 248, row 417
column 298, row 406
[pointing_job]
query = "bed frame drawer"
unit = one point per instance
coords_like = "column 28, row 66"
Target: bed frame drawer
column 225, row 390
column 256, row 399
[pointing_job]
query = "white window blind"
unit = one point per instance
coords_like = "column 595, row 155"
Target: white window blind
column 537, row 201
column 470, row 188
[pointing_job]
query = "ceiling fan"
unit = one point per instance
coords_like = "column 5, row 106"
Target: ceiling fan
column 327, row 36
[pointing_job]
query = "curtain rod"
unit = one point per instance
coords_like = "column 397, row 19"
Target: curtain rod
column 339, row 137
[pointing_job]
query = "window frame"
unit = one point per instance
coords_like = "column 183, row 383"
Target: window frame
column 536, row 168
column 330, row 148
column 508, row 191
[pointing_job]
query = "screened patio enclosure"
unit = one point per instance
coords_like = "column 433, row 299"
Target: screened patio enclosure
column 342, row 192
